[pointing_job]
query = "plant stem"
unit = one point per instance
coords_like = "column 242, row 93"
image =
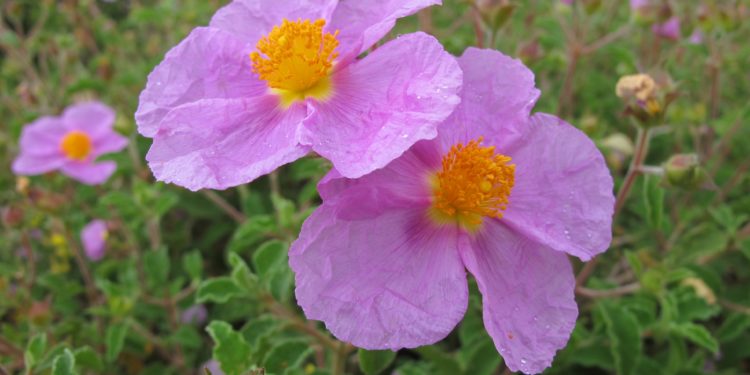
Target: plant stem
column 608, row 293
column 228, row 209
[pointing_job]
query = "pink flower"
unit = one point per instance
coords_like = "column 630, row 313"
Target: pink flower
column 696, row 37
column 213, row 367
column 269, row 81
column 638, row 4
column 499, row 192
column 94, row 238
column 71, row 144
column 669, row 29
column 195, row 314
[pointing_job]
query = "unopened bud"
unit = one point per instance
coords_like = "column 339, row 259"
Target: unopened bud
column 685, row 171
column 640, row 87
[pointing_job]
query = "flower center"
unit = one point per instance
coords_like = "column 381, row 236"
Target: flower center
column 475, row 182
column 76, row 145
column 296, row 58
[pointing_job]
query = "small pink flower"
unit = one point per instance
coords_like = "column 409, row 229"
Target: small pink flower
column 499, row 192
column 94, row 238
column 195, row 314
column 669, row 29
column 696, row 37
column 269, row 81
column 71, row 144
column 213, row 367
column 638, row 4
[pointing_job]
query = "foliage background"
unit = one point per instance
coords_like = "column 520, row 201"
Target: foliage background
column 670, row 296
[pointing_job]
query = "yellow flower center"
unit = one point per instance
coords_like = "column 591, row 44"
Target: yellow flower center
column 76, row 145
column 474, row 182
column 296, row 59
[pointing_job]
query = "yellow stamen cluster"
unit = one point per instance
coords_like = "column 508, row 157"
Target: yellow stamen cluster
column 295, row 56
column 76, row 145
column 474, row 182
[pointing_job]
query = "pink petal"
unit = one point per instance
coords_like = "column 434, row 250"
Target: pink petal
column 249, row 20
column 40, row 147
column 362, row 23
column 109, row 142
column 527, row 289
column 30, row 165
column 380, row 279
column 384, row 104
column 407, row 177
column 93, row 118
column 93, row 237
column 220, row 143
column 496, row 101
column 89, row 173
column 562, row 196
column 208, row 63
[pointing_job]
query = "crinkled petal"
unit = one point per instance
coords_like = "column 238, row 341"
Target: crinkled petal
column 527, row 289
column 249, row 20
column 209, row 63
column 407, row 177
column 378, row 278
column 109, row 142
column 496, row 100
column 384, row 104
column 93, row 118
column 94, row 239
column 88, row 172
column 362, row 23
column 221, row 143
column 562, row 196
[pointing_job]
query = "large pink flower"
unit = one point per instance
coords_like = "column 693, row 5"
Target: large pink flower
column 71, row 144
column 499, row 192
column 269, row 81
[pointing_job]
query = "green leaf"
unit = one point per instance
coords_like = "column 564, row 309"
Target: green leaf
column 230, row 348
column 444, row 363
column 284, row 209
column 734, row 326
column 88, row 358
column 241, row 274
column 697, row 334
column 268, row 257
column 373, row 362
column 654, row 201
column 286, row 355
column 251, row 232
column 165, row 202
column 35, row 350
column 156, row 267
column 64, row 364
column 115, row 340
column 219, row 290
column 624, row 335
column 481, row 357
column 192, row 262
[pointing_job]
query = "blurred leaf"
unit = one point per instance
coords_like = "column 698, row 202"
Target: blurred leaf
column 734, row 326
column 64, row 364
column 251, row 232
column 698, row 334
column 268, row 257
column 192, row 262
column 241, row 274
column 87, row 358
column 218, row 290
column 286, row 354
column 444, row 363
column 262, row 326
column 373, row 362
column 156, row 266
column 654, row 201
column 35, row 350
column 624, row 336
column 115, row 340
column 284, row 209
column 230, row 349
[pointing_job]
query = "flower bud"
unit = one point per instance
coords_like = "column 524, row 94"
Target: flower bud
column 640, row 87
column 685, row 171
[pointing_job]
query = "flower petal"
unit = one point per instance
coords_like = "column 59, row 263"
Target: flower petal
column 562, row 196
column 384, row 104
column 378, row 278
column 40, row 147
column 89, row 173
column 208, row 63
column 93, row 237
column 362, row 23
column 249, row 20
column 109, row 142
column 220, row 143
column 93, row 118
column 496, row 100
column 527, row 291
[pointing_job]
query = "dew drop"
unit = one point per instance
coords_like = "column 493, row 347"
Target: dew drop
column 523, row 361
